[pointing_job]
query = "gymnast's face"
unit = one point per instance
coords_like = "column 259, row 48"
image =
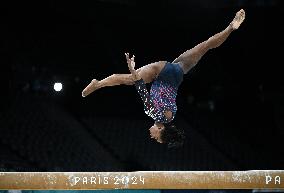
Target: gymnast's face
column 155, row 131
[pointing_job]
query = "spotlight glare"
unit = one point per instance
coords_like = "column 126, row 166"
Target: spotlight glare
column 57, row 86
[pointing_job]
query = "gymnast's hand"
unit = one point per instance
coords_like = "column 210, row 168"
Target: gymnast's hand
column 131, row 66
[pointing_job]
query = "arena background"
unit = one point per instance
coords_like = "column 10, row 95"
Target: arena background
column 230, row 105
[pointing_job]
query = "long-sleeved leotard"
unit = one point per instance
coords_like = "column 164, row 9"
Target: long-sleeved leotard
column 158, row 101
column 163, row 93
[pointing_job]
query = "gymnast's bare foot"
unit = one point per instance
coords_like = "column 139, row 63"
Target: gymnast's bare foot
column 238, row 20
column 90, row 88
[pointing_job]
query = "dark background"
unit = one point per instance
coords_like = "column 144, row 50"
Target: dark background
column 231, row 104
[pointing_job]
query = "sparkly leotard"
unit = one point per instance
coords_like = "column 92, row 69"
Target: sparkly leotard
column 163, row 93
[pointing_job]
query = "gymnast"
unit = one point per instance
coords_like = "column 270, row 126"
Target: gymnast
column 160, row 103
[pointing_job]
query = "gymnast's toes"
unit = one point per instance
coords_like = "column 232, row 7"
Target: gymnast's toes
column 90, row 88
column 238, row 20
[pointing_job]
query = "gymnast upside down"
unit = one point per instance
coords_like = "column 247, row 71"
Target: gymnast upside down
column 160, row 103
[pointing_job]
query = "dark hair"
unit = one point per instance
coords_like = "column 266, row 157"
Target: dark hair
column 172, row 136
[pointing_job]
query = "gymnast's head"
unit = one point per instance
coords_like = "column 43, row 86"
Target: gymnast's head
column 167, row 133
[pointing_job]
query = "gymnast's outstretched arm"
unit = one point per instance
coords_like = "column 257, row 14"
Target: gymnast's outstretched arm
column 140, row 86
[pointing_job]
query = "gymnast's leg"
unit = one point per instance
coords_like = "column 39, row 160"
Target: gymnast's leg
column 147, row 73
column 191, row 57
column 113, row 80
